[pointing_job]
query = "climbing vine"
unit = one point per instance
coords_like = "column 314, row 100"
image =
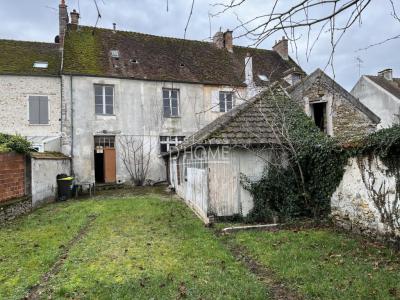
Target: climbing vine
column 302, row 184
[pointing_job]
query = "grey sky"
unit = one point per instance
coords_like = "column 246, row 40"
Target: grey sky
column 38, row 20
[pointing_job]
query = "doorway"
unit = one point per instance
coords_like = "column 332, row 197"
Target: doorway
column 319, row 114
column 104, row 159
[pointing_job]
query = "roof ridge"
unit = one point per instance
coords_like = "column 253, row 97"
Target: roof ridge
column 31, row 42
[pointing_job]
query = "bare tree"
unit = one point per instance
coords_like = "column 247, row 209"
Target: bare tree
column 303, row 20
column 136, row 156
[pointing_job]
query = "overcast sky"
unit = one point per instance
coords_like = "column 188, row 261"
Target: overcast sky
column 37, row 20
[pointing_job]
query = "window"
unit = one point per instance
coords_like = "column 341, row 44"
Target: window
column 170, row 103
column 104, row 141
column 38, row 110
column 115, row 54
column 104, row 99
column 225, row 101
column 167, row 143
column 40, row 64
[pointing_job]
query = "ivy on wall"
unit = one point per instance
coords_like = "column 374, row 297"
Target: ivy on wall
column 303, row 184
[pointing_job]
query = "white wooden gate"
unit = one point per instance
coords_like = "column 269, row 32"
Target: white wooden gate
column 197, row 191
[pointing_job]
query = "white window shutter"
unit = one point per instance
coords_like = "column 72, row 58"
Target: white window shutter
column 215, row 101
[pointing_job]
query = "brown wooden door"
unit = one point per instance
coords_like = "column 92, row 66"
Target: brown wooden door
column 109, row 165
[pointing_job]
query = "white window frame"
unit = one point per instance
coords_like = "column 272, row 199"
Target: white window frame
column 171, row 140
column 225, row 102
column 103, row 88
column 170, row 102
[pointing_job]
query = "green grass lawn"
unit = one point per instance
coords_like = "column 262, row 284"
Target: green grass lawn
column 324, row 264
column 137, row 247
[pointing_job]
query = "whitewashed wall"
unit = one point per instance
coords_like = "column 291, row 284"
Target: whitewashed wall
column 14, row 95
column 137, row 111
column 353, row 205
column 378, row 100
column 44, row 178
column 225, row 196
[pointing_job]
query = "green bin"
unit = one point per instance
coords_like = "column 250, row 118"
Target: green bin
column 65, row 185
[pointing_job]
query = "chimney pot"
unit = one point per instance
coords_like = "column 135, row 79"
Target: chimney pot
column 282, row 48
column 74, row 19
column 387, row 74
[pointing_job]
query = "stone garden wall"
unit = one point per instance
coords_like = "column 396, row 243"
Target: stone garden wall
column 367, row 199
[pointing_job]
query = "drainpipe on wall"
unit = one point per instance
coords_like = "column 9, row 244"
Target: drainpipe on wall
column 72, row 127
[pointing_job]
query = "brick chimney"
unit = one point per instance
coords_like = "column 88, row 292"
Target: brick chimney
column 74, row 19
column 223, row 40
column 228, row 40
column 281, row 47
column 63, row 21
column 387, row 74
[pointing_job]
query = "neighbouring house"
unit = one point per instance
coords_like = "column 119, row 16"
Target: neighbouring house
column 334, row 110
column 126, row 93
column 206, row 169
column 30, row 95
column 381, row 94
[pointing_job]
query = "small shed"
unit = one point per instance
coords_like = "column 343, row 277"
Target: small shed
column 206, row 169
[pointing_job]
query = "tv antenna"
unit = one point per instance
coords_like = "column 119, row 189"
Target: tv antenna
column 359, row 64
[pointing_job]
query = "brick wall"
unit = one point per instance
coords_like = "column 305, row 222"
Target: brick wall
column 12, row 176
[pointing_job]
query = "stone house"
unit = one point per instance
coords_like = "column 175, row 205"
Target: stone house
column 206, row 169
column 381, row 94
column 334, row 110
column 123, row 89
column 31, row 92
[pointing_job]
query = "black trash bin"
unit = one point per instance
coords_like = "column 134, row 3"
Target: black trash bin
column 65, row 184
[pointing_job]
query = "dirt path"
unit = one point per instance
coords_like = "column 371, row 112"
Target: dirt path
column 278, row 290
column 36, row 291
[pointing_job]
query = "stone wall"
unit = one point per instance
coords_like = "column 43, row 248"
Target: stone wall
column 366, row 200
column 15, row 92
column 12, row 176
column 346, row 117
column 15, row 208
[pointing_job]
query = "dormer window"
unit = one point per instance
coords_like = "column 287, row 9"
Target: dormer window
column 41, row 64
column 115, row 54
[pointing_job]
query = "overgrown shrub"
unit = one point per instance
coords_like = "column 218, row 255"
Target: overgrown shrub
column 15, row 143
column 315, row 166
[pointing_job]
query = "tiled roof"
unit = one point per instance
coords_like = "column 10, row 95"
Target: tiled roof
column 18, row 57
column 319, row 77
column 246, row 124
column 392, row 87
column 143, row 56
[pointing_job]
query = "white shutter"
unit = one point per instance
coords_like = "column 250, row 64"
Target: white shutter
column 215, row 101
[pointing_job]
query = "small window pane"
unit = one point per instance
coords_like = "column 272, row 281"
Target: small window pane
column 109, row 90
column 109, row 100
column 221, row 102
column 98, row 90
column 99, row 109
column 174, row 111
column 165, row 94
column 174, row 94
column 109, row 109
column 99, row 100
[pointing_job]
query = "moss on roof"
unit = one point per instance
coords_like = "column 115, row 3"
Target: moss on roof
column 143, row 56
column 17, row 57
